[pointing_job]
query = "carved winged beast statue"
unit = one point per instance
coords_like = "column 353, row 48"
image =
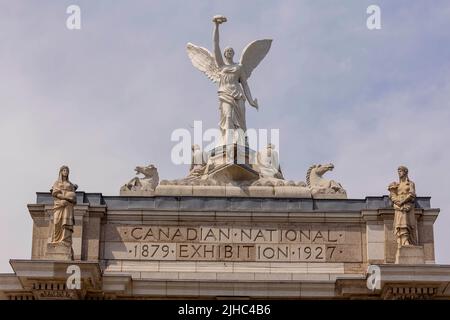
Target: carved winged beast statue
column 232, row 79
column 147, row 183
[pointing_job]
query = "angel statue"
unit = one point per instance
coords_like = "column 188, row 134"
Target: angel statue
column 232, row 79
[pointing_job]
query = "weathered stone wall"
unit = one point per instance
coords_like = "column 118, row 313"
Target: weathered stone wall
column 240, row 247
column 222, row 230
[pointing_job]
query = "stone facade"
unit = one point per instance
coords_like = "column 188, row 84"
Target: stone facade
column 229, row 246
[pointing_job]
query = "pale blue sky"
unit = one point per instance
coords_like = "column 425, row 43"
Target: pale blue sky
column 107, row 97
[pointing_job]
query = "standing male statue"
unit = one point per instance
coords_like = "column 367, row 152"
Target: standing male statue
column 232, row 79
column 403, row 195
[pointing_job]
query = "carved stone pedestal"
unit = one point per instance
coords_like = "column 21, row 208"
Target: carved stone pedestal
column 231, row 163
column 410, row 255
column 59, row 251
column 233, row 153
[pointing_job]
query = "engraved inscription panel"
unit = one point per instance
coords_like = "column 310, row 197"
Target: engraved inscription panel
column 292, row 243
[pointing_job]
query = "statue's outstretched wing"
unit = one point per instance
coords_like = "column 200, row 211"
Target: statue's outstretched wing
column 253, row 55
column 202, row 59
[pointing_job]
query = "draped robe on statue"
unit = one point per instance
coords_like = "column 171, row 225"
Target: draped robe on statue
column 63, row 216
column 232, row 103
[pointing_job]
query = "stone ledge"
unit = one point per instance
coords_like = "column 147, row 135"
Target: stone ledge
column 396, row 281
column 173, row 202
column 131, row 266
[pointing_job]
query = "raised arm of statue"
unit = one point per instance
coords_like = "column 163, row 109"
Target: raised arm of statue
column 217, row 53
